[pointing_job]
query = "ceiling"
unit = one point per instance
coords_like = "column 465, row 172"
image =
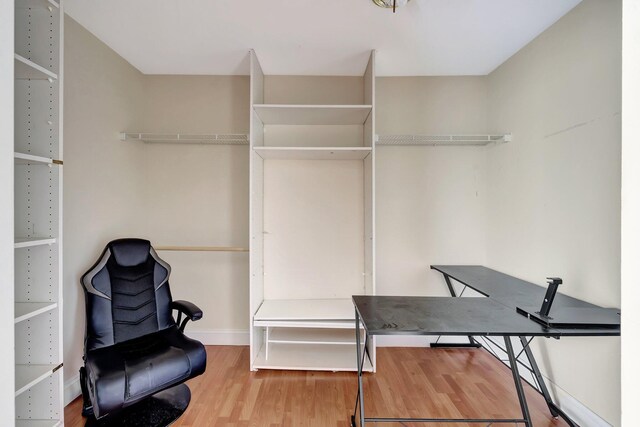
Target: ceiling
column 317, row 37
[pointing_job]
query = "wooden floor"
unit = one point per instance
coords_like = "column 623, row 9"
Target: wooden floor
column 415, row 382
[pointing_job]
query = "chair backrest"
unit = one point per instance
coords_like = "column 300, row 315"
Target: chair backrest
column 127, row 294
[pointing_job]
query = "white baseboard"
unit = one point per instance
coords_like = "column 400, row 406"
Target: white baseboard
column 71, row 389
column 221, row 336
column 574, row 408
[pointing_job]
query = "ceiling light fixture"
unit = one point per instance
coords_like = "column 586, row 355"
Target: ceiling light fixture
column 390, row 3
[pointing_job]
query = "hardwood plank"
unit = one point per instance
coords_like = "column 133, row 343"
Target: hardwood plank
column 410, row 381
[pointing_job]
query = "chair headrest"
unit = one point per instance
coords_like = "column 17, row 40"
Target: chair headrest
column 130, row 252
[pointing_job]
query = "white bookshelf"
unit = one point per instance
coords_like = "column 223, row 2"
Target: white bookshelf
column 311, row 228
column 38, row 213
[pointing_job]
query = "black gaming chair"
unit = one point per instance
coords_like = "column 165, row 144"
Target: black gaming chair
column 136, row 357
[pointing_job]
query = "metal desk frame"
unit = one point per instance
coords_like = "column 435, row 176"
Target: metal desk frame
column 361, row 354
column 532, row 367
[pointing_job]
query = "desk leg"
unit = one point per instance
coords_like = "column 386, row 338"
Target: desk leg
column 539, row 378
column 360, row 363
column 472, row 342
column 516, row 379
column 553, row 409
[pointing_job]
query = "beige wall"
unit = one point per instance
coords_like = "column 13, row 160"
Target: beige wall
column 170, row 194
column 430, row 201
column 198, row 195
column 554, row 192
column 102, row 185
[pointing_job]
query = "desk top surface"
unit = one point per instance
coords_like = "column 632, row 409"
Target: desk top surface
column 412, row 315
column 513, row 292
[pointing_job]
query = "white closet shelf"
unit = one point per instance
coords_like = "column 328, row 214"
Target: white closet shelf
column 30, row 159
column 313, row 153
column 310, row 323
column 450, row 140
column 310, row 358
column 29, row 375
column 180, row 138
column 38, row 423
column 313, row 336
column 284, row 114
column 27, row 69
column 307, row 310
column 27, row 242
column 35, row 4
column 27, row 310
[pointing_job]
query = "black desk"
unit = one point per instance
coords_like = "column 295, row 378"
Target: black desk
column 403, row 315
column 512, row 292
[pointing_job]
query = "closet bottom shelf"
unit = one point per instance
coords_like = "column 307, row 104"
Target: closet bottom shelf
column 38, row 423
column 309, row 357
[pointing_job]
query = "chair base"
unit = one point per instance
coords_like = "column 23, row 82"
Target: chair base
column 159, row 410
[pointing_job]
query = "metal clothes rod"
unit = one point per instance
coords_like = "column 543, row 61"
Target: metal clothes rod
column 431, row 140
column 201, row 248
column 180, row 138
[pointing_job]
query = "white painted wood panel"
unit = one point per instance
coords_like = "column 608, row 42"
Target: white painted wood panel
column 29, row 375
column 312, row 323
column 317, row 336
column 313, row 229
column 26, row 69
column 313, row 153
column 306, row 309
column 313, row 136
column 280, row 114
column 38, row 423
column 310, row 358
column 27, row 310
column 29, row 159
column 256, row 213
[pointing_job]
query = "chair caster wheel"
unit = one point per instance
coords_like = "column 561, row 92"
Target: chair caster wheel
column 87, row 412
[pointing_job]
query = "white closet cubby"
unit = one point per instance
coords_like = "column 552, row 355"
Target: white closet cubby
column 312, row 237
column 38, row 213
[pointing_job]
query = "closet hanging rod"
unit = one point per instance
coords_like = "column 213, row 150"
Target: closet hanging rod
column 450, row 140
column 201, row 248
column 181, row 138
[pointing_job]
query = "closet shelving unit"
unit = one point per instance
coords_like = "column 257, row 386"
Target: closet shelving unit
column 312, row 236
column 38, row 213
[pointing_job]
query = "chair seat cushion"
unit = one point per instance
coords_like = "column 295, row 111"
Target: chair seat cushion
column 124, row 373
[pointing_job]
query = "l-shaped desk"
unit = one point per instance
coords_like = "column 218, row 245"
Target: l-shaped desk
column 501, row 314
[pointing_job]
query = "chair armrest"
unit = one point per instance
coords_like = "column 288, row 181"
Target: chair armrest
column 190, row 310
